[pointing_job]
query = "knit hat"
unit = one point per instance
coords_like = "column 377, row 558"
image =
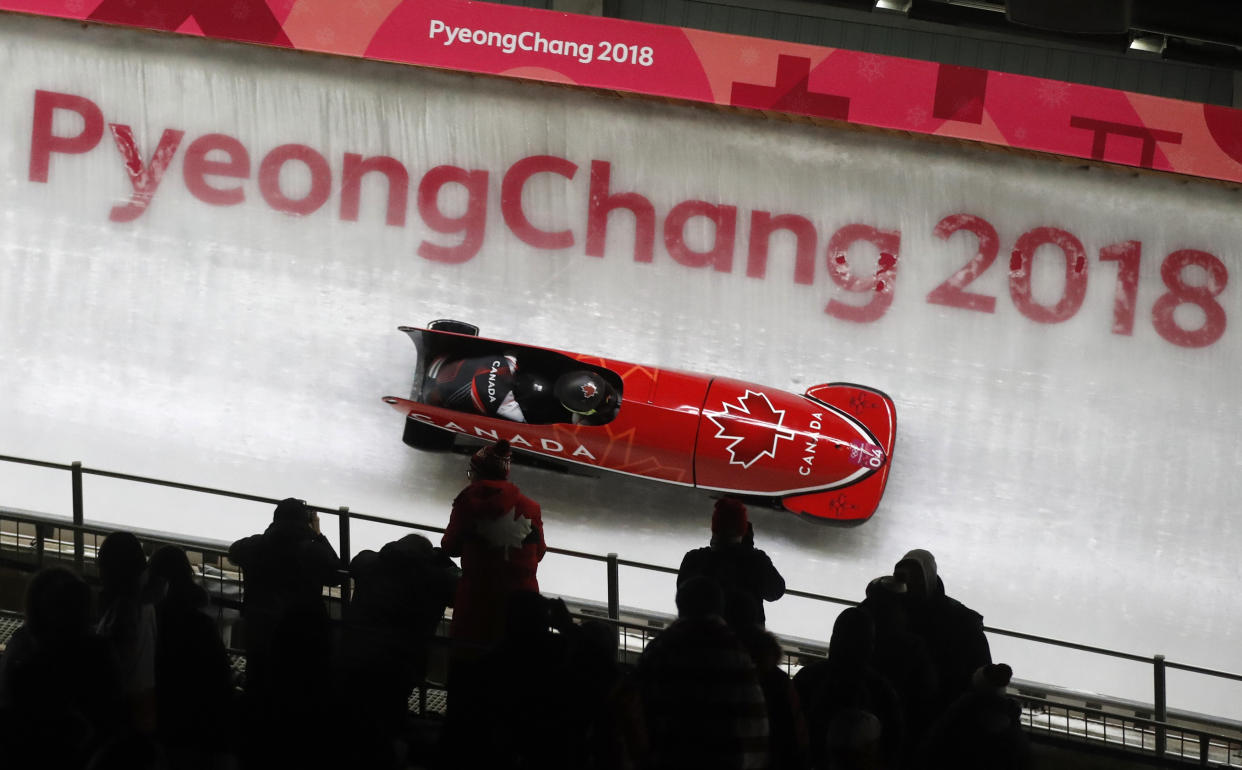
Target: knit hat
column 729, row 518
column 492, row 461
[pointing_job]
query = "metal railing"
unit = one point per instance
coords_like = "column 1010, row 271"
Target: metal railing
column 1157, row 726
column 1131, row 734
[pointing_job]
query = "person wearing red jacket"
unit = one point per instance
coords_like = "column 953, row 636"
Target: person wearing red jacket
column 498, row 533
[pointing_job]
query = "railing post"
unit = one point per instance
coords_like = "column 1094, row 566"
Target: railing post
column 343, row 522
column 79, row 541
column 40, row 543
column 1161, row 704
column 614, row 588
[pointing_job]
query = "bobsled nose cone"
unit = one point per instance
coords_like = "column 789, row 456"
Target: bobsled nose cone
column 390, row 400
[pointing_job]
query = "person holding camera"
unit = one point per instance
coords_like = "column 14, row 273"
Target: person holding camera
column 745, row 573
column 285, row 570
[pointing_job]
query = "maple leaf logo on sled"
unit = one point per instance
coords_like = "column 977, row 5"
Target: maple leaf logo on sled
column 753, row 427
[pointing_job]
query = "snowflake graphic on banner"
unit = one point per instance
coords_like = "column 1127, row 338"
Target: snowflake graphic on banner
column 752, row 426
column 1053, row 94
column 871, row 68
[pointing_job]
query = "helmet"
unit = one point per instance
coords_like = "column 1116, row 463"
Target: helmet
column 582, row 392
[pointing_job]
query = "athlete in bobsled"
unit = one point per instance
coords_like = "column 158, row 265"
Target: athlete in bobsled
column 495, row 386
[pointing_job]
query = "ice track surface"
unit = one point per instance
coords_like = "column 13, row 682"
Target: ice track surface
column 1072, row 481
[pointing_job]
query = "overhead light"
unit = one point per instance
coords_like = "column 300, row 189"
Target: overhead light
column 896, row 6
column 1149, row 44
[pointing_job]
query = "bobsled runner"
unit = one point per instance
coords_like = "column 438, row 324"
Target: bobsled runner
column 824, row 454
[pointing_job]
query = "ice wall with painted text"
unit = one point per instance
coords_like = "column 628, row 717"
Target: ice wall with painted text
column 206, row 248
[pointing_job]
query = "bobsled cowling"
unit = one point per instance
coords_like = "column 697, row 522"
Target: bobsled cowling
column 824, row 454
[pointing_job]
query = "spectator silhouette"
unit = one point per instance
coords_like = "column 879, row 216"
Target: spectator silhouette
column 608, row 716
column 60, row 691
column 982, row 730
column 847, row 682
column 127, row 622
column 498, row 533
column 284, row 572
column 525, row 707
column 900, row 655
column 744, row 573
column 287, row 633
column 787, row 740
column 193, row 680
column 399, row 598
column 700, row 689
column 952, row 631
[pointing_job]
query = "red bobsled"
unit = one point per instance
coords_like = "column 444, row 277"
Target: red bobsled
column 824, row 454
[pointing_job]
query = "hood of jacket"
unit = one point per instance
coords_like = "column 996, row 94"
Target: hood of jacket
column 926, row 564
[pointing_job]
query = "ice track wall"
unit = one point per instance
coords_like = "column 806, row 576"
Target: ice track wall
column 206, row 248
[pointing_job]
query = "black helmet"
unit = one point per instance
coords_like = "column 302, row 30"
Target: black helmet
column 582, row 392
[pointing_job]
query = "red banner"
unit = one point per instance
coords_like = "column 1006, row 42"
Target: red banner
column 867, row 89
